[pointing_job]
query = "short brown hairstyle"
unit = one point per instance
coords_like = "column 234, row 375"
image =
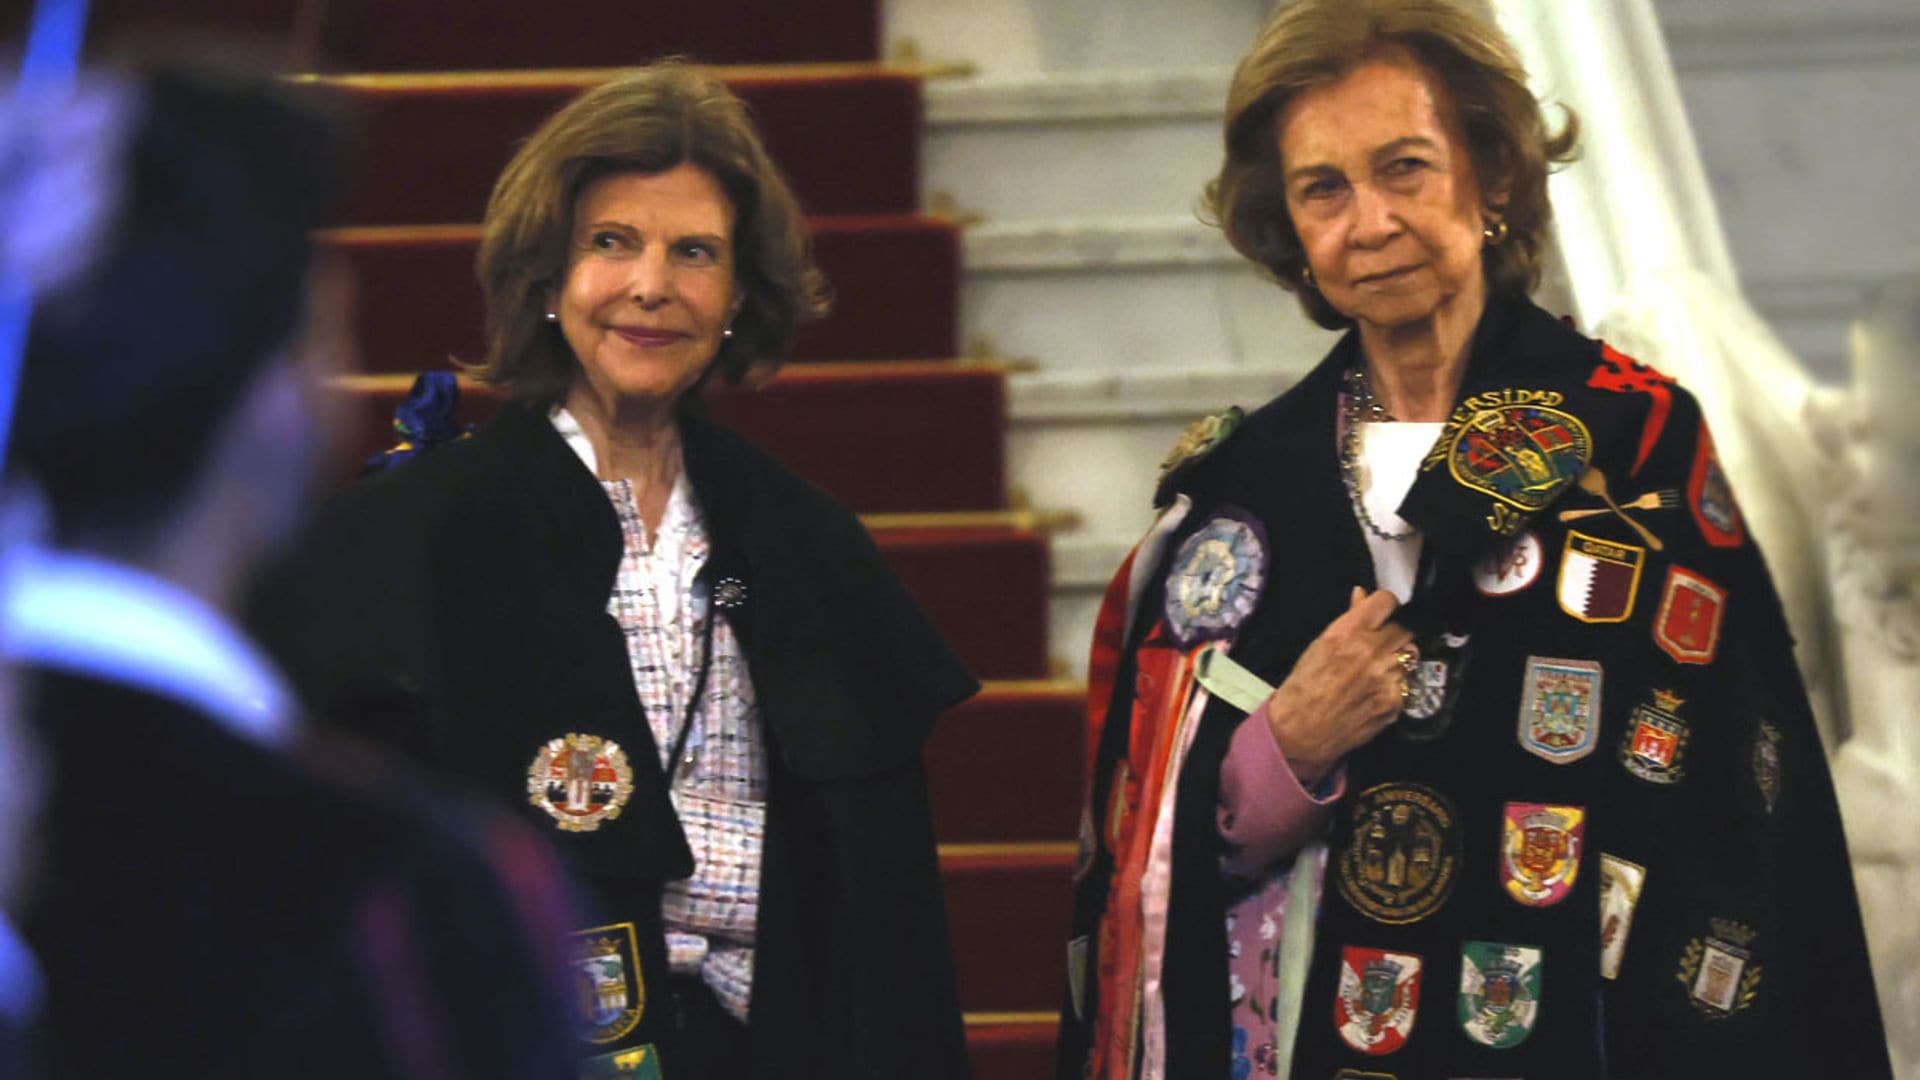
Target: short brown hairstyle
column 1313, row 42
column 649, row 120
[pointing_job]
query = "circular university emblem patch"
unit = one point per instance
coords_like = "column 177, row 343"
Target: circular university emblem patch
column 1514, row 446
column 580, row 781
column 1216, row 579
column 1400, row 862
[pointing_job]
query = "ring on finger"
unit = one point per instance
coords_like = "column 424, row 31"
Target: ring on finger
column 1409, row 660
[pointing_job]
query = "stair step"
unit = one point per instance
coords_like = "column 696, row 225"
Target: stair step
column 1007, row 765
column 899, row 437
column 896, row 278
column 1012, row 1046
column 983, row 583
column 883, row 437
column 383, row 35
column 430, row 146
column 1011, row 907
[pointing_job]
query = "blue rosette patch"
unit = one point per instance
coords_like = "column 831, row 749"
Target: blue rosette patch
column 1217, row 578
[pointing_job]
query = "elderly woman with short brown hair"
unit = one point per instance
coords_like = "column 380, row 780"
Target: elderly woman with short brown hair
column 689, row 667
column 1446, row 720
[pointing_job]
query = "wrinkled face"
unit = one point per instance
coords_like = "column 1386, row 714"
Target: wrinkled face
column 1382, row 193
column 650, row 283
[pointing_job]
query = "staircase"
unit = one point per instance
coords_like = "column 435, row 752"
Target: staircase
column 876, row 407
column 1076, row 151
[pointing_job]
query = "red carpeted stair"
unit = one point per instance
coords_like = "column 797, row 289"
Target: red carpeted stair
column 877, row 412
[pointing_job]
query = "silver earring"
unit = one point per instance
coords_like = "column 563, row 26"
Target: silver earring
column 727, row 333
column 1494, row 232
column 553, row 316
column 1306, row 276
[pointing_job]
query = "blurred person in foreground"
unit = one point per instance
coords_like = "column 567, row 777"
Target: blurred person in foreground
column 208, row 891
column 692, row 669
column 1447, row 721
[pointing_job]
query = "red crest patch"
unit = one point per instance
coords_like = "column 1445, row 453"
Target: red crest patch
column 1710, row 497
column 1378, row 998
column 1688, row 625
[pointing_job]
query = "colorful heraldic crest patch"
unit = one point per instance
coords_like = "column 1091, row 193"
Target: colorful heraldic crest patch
column 1710, row 497
column 580, row 781
column 1598, row 578
column 1400, row 863
column 1688, row 625
column 611, row 992
column 1499, row 992
column 1655, row 745
column 1378, row 998
column 1435, row 686
column 1517, row 446
column 1540, row 851
column 1216, row 580
column 1510, row 567
column 1719, row 969
column 1560, row 708
column 1766, row 764
column 639, row 1063
column 1620, row 885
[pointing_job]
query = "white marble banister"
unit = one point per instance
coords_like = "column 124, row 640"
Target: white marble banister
column 1825, row 477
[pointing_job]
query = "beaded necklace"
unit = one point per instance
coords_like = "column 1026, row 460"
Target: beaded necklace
column 1361, row 407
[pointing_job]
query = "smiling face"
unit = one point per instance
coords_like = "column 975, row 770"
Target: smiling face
column 649, row 286
column 1383, row 195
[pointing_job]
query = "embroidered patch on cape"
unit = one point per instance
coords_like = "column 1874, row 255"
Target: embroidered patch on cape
column 1216, row 579
column 1540, row 851
column 1765, row 759
column 1620, row 884
column 1598, row 578
column 1560, row 708
column 639, row 1063
column 1688, row 625
column 1436, row 686
column 1510, row 566
column 1655, row 745
column 1499, row 992
column 1515, row 445
column 580, row 781
column 1622, row 374
column 1710, row 497
column 1195, row 443
column 1719, row 969
column 1400, row 862
column 612, row 992
column 1378, row 999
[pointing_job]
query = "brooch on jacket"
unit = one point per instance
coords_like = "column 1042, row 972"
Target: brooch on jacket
column 1201, row 438
column 428, row 417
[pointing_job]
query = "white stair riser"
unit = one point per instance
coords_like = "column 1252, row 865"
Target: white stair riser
column 1128, row 319
column 1040, row 171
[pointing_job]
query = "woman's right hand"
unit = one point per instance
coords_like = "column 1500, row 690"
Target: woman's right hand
column 1346, row 687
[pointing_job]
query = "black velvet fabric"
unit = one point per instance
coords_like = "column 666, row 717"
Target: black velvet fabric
column 457, row 607
column 1714, row 845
